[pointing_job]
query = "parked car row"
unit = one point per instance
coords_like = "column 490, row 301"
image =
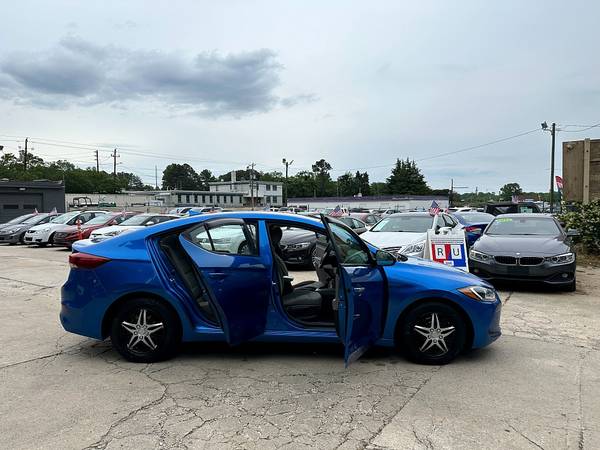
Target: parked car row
column 64, row 229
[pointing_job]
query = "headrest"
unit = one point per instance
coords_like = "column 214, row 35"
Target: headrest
column 276, row 234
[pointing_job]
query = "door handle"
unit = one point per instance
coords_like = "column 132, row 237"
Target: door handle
column 217, row 275
column 359, row 290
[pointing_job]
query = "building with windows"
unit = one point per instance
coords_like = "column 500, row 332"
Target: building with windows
column 265, row 193
column 23, row 197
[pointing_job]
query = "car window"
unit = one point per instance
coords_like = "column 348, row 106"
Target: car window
column 523, row 226
column 235, row 239
column 411, row 224
column 120, row 219
column 351, row 251
column 371, row 220
column 449, row 221
column 357, row 224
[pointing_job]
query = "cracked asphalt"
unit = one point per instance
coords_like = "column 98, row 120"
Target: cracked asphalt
column 537, row 387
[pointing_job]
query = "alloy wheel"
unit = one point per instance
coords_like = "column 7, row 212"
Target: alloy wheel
column 434, row 334
column 145, row 331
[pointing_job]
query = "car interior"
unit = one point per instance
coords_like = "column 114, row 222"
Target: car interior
column 309, row 303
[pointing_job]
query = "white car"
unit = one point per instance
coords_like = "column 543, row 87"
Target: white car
column 42, row 235
column 406, row 233
column 136, row 222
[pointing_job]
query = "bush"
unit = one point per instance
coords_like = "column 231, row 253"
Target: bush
column 587, row 221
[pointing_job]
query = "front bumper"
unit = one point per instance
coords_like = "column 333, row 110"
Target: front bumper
column 544, row 273
column 299, row 257
column 65, row 239
column 37, row 237
column 12, row 238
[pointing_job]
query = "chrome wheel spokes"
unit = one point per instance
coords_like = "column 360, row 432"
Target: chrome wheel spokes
column 434, row 334
column 141, row 331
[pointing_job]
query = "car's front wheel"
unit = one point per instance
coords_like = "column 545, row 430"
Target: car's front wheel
column 433, row 333
column 145, row 330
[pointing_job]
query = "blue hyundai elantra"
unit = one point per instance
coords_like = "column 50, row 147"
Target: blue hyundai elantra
column 221, row 277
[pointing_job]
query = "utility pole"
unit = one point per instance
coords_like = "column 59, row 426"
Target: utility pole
column 97, row 161
column 251, row 168
column 553, row 132
column 25, row 156
column 156, row 177
column 285, row 186
column 450, row 193
column 115, row 156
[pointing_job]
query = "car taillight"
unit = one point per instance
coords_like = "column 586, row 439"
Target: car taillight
column 86, row 261
column 473, row 229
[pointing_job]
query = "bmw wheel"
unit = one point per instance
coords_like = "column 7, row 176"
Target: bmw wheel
column 433, row 333
column 145, row 330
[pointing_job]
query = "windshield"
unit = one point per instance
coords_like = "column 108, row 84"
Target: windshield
column 135, row 220
column 19, row 219
column 35, row 219
column 99, row 220
column 64, row 218
column 523, row 226
column 475, row 217
column 408, row 224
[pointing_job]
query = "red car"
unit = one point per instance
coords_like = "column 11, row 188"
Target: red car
column 65, row 238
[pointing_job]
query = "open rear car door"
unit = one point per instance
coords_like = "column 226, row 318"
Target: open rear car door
column 225, row 254
column 361, row 291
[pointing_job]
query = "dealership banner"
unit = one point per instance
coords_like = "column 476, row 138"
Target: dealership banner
column 448, row 249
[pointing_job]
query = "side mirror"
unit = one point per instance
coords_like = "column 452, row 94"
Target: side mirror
column 445, row 230
column 149, row 223
column 383, row 258
column 572, row 232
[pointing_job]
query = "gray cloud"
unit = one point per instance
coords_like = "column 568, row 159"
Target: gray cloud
column 77, row 72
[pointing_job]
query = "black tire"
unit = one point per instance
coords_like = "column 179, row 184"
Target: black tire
column 430, row 350
column 51, row 239
column 22, row 239
column 166, row 338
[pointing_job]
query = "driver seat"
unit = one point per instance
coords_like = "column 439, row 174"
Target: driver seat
column 301, row 304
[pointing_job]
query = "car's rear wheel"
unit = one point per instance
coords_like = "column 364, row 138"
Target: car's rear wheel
column 433, row 333
column 145, row 330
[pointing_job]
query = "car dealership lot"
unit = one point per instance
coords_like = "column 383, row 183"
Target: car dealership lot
column 538, row 386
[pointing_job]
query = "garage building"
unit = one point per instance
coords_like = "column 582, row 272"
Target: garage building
column 23, row 197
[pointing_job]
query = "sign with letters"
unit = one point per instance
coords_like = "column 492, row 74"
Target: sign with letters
column 448, row 249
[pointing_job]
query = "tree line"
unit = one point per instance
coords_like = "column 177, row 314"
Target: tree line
column 405, row 179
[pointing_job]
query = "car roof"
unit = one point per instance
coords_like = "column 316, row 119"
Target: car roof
column 411, row 213
column 525, row 215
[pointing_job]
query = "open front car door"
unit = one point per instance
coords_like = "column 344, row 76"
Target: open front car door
column 360, row 298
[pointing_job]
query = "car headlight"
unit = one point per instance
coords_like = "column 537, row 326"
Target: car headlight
column 11, row 230
column 298, row 246
column 565, row 258
column 44, row 230
column 480, row 293
column 481, row 257
column 417, row 247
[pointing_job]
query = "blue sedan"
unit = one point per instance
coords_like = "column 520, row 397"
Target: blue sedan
column 221, row 277
column 473, row 223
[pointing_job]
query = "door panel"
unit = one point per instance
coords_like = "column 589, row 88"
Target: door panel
column 361, row 298
column 240, row 288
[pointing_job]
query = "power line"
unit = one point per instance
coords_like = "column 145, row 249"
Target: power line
column 585, row 128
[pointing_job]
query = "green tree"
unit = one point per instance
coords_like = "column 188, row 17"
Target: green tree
column 508, row 190
column 406, row 178
column 345, row 185
column 180, row 176
column 206, row 177
column 321, row 170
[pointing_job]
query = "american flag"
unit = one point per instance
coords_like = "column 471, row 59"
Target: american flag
column 337, row 212
column 559, row 182
column 434, row 208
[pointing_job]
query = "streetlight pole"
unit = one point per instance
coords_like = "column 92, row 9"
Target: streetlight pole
column 251, row 168
column 285, row 186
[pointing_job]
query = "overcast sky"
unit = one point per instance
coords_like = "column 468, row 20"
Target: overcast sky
column 357, row 83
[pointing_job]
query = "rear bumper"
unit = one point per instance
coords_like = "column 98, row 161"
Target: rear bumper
column 543, row 273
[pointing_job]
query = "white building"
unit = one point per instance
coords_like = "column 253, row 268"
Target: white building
column 397, row 202
column 265, row 193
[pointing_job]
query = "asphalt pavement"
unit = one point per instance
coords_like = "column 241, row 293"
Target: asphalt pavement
column 537, row 387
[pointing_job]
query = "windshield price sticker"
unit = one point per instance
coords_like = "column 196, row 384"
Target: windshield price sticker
column 448, row 250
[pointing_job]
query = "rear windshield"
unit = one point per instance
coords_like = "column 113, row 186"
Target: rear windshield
column 523, row 226
column 475, row 217
column 408, row 224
